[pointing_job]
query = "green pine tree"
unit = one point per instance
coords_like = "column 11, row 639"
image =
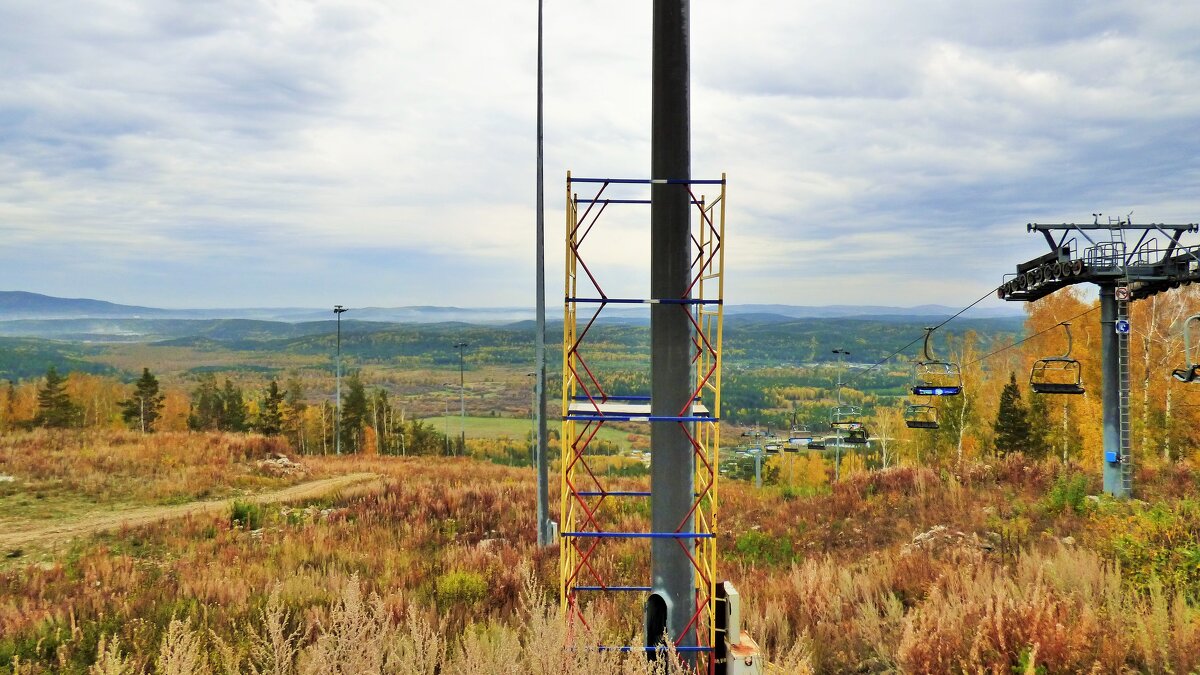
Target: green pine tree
column 354, row 414
column 55, row 409
column 207, row 406
column 233, row 408
column 142, row 410
column 1040, row 428
column 270, row 415
column 1012, row 432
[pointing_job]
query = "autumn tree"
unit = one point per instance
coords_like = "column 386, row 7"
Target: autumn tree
column 142, row 410
column 1012, row 421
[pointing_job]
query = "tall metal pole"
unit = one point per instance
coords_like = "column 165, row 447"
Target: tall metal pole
column 837, row 451
column 1110, row 397
column 462, row 398
column 542, row 458
column 338, row 310
column 840, row 353
column 672, row 602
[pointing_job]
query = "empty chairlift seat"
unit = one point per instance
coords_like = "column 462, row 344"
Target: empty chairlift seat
column 1057, row 374
column 933, row 377
column 921, row 416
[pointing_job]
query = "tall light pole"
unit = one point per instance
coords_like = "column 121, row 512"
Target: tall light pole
column 837, row 452
column 462, row 397
column 840, row 353
column 541, row 433
column 338, row 310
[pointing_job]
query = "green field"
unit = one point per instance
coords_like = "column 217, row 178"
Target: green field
column 512, row 427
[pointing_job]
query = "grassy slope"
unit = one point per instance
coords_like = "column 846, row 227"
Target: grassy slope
column 991, row 568
column 63, row 475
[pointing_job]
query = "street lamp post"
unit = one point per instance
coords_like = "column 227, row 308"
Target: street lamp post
column 338, row 310
column 462, row 397
column 837, row 452
column 840, row 353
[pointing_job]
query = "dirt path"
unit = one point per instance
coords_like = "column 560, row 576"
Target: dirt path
column 76, row 527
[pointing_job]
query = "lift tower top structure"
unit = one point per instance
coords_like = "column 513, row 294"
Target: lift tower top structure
column 1124, row 273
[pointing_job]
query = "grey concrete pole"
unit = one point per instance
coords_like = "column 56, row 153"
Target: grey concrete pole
column 1110, row 399
column 672, row 470
column 542, row 459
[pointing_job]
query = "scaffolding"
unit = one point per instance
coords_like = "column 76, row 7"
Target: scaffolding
column 591, row 512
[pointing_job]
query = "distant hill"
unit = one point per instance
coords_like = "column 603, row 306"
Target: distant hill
column 872, row 311
column 40, row 312
column 23, row 305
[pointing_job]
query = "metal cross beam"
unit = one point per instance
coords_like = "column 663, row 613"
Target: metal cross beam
column 1123, row 274
column 1150, row 266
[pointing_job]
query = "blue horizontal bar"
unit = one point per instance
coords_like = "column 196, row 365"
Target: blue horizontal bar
column 625, row 417
column 653, row 649
column 647, row 181
column 639, row 535
column 610, row 397
column 936, row 391
column 630, row 589
column 647, row 301
column 613, row 493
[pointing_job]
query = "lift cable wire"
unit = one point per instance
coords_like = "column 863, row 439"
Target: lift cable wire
column 1041, row 332
column 896, row 353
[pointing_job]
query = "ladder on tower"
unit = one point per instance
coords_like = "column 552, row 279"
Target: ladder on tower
column 1122, row 298
column 1123, row 383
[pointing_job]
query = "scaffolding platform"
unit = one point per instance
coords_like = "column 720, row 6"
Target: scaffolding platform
column 625, row 411
column 596, row 529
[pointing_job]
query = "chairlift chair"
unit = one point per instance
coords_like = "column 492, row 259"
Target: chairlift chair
column 921, row 416
column 857, row 435
column 1192, row 372
column 1057, row 374
column 848, row 419
column 799, row 435
column 934, row 377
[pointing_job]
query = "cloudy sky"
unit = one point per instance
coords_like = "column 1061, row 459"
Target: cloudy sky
column 277, row 152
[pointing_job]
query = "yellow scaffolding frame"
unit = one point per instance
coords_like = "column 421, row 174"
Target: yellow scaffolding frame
column 587, row 406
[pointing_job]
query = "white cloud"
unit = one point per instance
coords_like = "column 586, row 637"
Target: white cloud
column 876, row 151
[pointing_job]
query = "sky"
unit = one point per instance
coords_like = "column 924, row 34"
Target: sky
column 247, row 153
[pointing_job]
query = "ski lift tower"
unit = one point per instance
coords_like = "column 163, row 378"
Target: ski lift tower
column 1124, row 273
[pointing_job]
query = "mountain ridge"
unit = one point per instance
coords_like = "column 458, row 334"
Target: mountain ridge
column 25, row 305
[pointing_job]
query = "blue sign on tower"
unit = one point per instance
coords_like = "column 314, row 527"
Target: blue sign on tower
column 1122, row 326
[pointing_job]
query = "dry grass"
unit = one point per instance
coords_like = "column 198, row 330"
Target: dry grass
column 438, row 569
column 58, row 474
